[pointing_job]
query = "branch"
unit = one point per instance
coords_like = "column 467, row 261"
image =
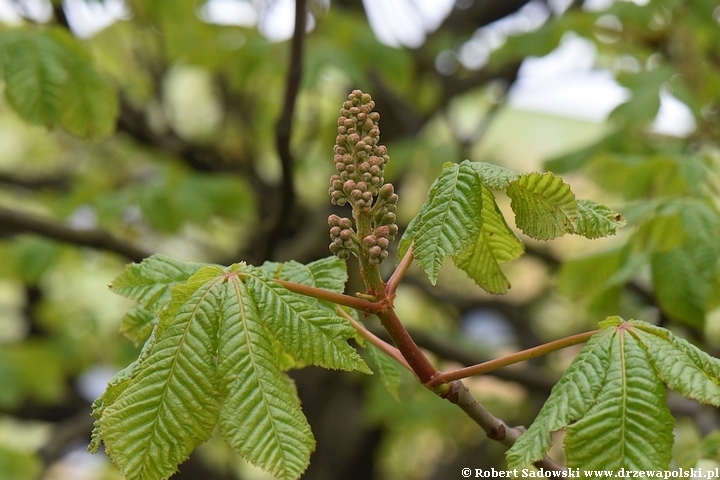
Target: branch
column 12, row 221
column 375, row 340
column 510, row 359
column 53, row 182
column 495, row 428
column 423, row 368
column 283, row 131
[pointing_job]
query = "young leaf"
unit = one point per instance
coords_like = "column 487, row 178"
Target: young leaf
column 171, row 405
column 570, row 398
column 309, row 334
column 448, row 221
column 595, row 221
column 494, row 244
column 386, row 369
column 260, row 416
column 629, row 425
column 151, row 281
column 494, row 177
column 544, row 205
column 623, row 420
column 681, row 365
column 136, row 324
column 330, row 273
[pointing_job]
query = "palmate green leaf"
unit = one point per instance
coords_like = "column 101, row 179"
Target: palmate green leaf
column 494, row 244
column 681, row 365
column 171, row 404
column 260, row 416
column 620, row 419
column 449, row 220
column 309, row 334
column 570, row 398
column 544, row 205
column 151, row 281
column 629, row 426
column 595, row 221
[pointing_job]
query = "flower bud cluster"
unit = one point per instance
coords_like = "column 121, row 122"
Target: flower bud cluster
column 342, row 235
column 359, row 159
column 360, row 162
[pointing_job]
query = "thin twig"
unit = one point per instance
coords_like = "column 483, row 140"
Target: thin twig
column 495, row 428
column 375, row 340
column 491, row 365
column 399, row 273
column 12, row 221
column 283, row 129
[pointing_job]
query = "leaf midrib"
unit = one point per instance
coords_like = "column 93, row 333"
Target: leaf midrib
column 253, row 362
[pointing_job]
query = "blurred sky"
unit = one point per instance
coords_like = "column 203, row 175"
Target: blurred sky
column 565, row 82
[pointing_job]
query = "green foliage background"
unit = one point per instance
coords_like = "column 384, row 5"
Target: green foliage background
column 159, row 131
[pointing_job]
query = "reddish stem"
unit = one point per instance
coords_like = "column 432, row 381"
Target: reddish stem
column 399, row 273
column 339, row 298
column 491, row 365
column 417, row 360
column 374, row 339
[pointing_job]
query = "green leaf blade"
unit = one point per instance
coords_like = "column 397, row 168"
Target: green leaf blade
column 34, row 75
column 136, row 324
column 596, row 221
column 544, row 205
column 629, row 426
column 681, row 365
column 570, row 398
column 260, row 416
column 151, row 281
column 327, row 273
column 448, row 221
column 309, row 334
column 495, row 177
column 495, row 244
column 171, row 404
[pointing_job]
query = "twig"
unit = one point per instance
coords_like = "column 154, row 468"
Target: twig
column 375, row 340
column 423, row 368
column 510, row 359
column 495, row 428
column 283, row 130
column 399, row 273
column 12, row 221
